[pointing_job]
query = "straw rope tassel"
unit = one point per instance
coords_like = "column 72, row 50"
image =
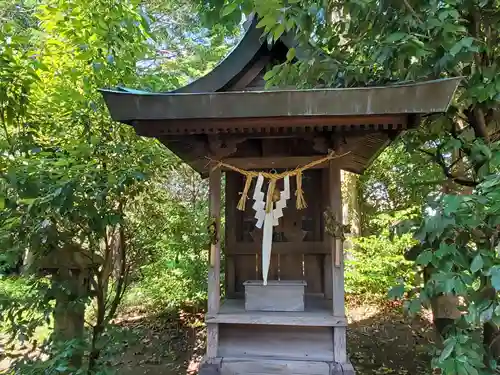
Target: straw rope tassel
column 300, row 202
column 244, row 194
column 270, row 194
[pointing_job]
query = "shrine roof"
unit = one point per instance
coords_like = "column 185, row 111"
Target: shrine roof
column 347, row 105
column 229, row 114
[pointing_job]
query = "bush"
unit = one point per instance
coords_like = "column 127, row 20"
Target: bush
column 375, row 263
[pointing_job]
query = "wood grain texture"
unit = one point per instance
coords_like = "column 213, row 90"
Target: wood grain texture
column 339, row 344
column 230, row 277
column 335, row 198
column 313, row 273
column 343, row 369
column 277, row 342
column 273, row 367
column 214, row 264
column 245, row 269
column 212, row 340
column 291, row 267
column 309, row 247
column 317, row 313
column 275, row 296
column 273, row 273
column 327, row 277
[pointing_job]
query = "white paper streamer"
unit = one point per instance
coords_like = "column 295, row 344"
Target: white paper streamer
column 267, row 243
column 268, row 219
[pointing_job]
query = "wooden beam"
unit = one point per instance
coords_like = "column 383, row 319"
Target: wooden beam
column 214, row 261
column 274, row 162
column 337, row 257
column 232, row 184
column 248, row 125
column 308, row 247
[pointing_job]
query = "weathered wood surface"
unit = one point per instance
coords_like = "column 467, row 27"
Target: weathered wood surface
column 282, row 342
column 317, row 313
column 291, row 267
column 275, row 296
column 313, row 273
column 245, row 269
column 273, row 367
column 214, row 262
column 212, row 340
column 337, row 257
column 308, row 247
column 343, row 369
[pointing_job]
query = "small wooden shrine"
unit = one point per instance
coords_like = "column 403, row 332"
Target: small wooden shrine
column 282, row 152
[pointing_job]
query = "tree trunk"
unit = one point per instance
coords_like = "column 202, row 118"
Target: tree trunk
column 69, row 313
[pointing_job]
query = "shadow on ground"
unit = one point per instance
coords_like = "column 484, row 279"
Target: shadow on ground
column 166, row 344
column 380, row 340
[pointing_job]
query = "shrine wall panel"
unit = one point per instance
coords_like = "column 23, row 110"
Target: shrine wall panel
column 299, row 249
column 284, row 342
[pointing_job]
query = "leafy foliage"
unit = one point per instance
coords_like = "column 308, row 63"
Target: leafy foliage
column 375, row 263
column 73, row 184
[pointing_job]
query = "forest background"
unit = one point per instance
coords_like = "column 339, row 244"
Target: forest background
column 73, row 180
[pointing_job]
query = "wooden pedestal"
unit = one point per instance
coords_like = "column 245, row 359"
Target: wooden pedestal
column 284, row 295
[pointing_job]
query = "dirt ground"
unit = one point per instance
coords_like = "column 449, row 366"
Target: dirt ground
column 380, row 341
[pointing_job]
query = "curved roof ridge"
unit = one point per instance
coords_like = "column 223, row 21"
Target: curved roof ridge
column 233, row 64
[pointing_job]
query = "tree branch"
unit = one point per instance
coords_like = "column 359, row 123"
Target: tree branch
column 438, row 158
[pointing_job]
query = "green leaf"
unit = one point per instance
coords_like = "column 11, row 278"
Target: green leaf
column 424, row 258
column 2, row 203
column 448, row 349
column 415, row 306
column 290, row 54
column 397, row 291
column 495, row 277
column 477, row 263
column 395, row 37
column 269, row 74
column 229, row 8
column 278, row 31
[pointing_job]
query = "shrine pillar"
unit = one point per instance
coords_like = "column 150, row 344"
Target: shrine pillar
column 214, row 209
column 342, row 364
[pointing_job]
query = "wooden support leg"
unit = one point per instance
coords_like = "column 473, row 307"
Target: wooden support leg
column 214, row 262
column 337, row 265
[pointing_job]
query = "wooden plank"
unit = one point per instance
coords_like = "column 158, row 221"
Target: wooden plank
column 273, row 273
column 335, row 199
column 283, row 342
column 245, row 268
column 212, row 340
column 313, row 247
column 327, row 277
column 337, row 251
column 327, row 263
column 214, row 263
column 313, row 273
column 259, row 366
column 317, row 313
column 277, row 295
column 230, row 276
column 274, row 162
column 215, row 125
column 251, row 74
column 232, row 185
column 339, row 344
column 291, row 267
column 232, row 198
